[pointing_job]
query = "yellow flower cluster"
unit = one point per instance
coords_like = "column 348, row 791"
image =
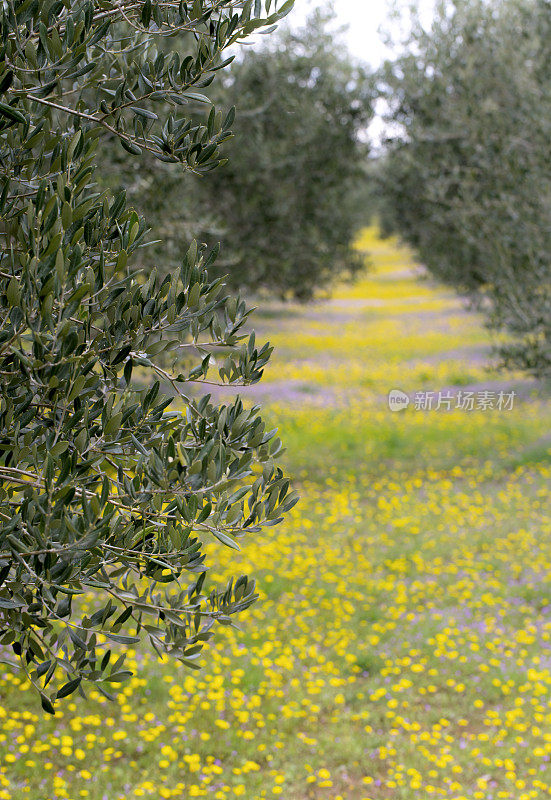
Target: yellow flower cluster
column 401, row 649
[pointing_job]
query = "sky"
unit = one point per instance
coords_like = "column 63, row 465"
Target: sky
column 364, row 18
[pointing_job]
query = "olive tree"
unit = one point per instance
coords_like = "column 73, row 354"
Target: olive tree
column 108, row 484
column 288, row 202
column 465, row 178
column 304, row 107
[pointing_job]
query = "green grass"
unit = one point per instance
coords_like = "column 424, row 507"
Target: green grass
column 360, row 442
column 401, row 649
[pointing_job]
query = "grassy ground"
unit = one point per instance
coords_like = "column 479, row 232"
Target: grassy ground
column 402, row 646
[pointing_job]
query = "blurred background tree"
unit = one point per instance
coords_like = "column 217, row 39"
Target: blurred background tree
column 289, row 219
column 465, row 177
column 287, row 205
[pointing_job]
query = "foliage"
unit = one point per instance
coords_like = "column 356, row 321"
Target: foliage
column 466, row 178
column 290, row 218
column 105, row 491
column 285, row 206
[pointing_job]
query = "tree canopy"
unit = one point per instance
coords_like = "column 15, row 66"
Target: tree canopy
column 286, row 205
column 466, row 179
column 287, row 198
column 107, row 486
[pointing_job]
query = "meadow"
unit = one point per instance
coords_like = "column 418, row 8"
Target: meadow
column 401, row 647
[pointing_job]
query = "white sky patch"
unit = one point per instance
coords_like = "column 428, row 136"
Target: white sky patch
column 366, row 22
